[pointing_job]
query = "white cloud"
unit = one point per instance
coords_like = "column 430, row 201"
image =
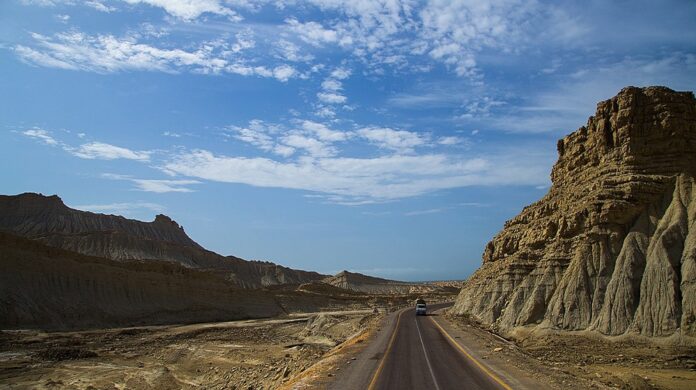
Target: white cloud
column 107, row 54
column 91, row 150
column 401, row 141
column 313, row 137
column 284, row 72
column 41, row 135
column 481, row 107
column 284, row 150
column 359, row 180
column 325, row 111
column 314, row 147
column 161, row 186
column 99, row 6
column 312, row 32
column 103, row 151
column 330, row 92
column 323, row 132
column 292, row 52
column 340, row 73
column 423, row 212
column 262, row 135
column 190, row 9
column 331, row 97
column 565, row 106
column 449, row 140
column 121, row 208
column 332, row 85
column 155, row 185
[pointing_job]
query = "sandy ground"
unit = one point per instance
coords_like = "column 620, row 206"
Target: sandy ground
column 622, row 363
column 255, row 354
column 582, row 361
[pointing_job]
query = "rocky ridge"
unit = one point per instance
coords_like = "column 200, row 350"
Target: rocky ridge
column 357, row 282
column 48, row 220
column 611, row 247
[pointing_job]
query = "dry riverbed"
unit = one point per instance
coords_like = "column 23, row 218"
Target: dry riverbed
column 255, row 354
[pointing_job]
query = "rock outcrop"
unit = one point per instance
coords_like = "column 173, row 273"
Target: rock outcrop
column 48, row 220
column 50, row 288
column 612, row 246
column 371, row 285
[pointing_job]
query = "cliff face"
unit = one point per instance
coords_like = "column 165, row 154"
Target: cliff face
column 612, row 246
column 51, row 288
column 371, row 285
column 48, row 220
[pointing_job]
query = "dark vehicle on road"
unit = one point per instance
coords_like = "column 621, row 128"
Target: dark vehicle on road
column 421, row 308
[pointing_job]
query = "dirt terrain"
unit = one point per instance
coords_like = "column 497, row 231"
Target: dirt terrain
column 584, row 360
column 252, row 354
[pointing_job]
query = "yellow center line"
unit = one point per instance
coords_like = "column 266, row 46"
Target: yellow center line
column 468, row 355
column 373, row 382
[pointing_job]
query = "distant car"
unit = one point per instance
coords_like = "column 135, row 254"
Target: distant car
column 421, row 309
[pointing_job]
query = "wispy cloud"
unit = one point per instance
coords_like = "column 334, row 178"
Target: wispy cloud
column 564, row 106
column 188, row 9
column 90, row 150
column 103, row 151
column 75, row 50
column 155, row 185
column 401, row 141
column 363, row 180
column 121, row 208
column 41, row 135
column 400, row 172
column 423, row 212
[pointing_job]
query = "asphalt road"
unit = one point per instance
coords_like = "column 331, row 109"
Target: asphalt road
column 415, row 352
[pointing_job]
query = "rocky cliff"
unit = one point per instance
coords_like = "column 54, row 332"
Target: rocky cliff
column 51, row 288
column 371, row 285
column 612, row 245
column 48, row 220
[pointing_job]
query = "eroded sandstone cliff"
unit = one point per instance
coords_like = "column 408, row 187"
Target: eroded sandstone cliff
column 612, row 246
column 371, row 285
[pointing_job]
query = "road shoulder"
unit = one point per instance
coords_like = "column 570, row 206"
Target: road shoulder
column 507, row 361
column 352, row 364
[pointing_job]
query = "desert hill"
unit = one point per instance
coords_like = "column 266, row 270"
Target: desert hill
column 51, row 288
column 612, row 246
column 372, row 285
column 48, row 220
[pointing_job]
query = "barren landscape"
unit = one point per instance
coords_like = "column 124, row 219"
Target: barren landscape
column 253, row 354
column 347, row 194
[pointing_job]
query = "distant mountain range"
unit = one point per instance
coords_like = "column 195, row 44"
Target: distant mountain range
column 48, row 220
column 62, row 268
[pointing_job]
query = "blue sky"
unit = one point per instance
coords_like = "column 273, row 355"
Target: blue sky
column 390, row 137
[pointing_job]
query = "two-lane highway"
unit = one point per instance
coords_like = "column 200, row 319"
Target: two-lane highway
column 419, row 354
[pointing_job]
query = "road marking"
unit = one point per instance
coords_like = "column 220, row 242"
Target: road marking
column 430, row 367
column 373, row 382
column 462, row 350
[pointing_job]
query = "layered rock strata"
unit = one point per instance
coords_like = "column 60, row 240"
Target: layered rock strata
column 48, row 220
column 371, row 285
column 612, row 246
column 50, row 288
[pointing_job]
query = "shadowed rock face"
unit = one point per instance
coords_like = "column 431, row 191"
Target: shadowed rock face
column 48, row 220
column 50, row 288
column 612, row 246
